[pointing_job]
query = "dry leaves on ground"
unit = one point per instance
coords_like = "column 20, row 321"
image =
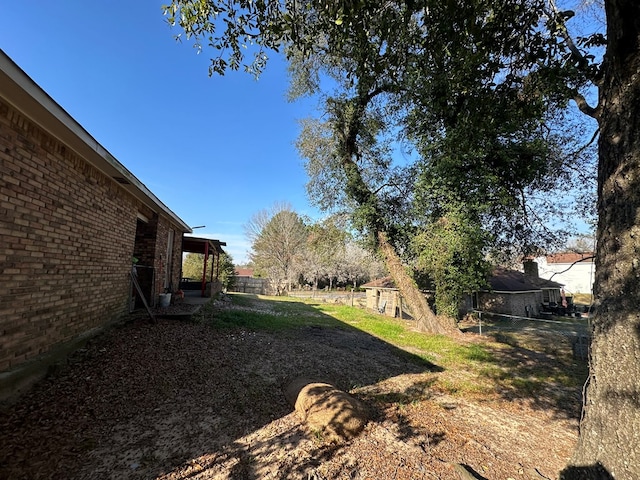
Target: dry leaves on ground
column 177, row 400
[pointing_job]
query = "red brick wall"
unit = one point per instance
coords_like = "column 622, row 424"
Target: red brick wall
column 67, row 235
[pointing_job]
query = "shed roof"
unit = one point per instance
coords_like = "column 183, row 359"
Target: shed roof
column 384, row 282
column 19, row 90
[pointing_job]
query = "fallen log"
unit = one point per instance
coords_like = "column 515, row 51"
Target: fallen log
column 332, row 413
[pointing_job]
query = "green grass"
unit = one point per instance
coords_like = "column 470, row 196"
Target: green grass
column 264, row 313
column 281, row 313
column 440, row 349
column 475, row 369
column 470, row 369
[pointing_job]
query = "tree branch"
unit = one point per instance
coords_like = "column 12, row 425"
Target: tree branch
column 583, row 62
column 585, row 108
column 591, row 257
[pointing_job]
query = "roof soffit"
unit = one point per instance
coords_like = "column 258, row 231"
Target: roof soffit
column 20, row 91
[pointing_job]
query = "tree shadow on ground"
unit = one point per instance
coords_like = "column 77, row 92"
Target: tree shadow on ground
column 592, row 472
column 171, row 399
column 539, row 369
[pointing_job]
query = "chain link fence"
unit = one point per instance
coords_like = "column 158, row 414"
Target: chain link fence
column 561, row 335
column 557, row 335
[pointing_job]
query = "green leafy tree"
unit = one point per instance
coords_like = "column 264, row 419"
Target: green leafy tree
column 349, row 152
column 226, row 270
column 193, row 265
column 448, row 63
column 451, row 254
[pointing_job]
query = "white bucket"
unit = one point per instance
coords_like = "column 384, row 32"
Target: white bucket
column 165, row 299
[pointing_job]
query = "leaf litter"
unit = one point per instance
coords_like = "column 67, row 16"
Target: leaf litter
column 182, row 400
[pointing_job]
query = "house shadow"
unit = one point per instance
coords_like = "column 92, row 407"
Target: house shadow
column 174, row 398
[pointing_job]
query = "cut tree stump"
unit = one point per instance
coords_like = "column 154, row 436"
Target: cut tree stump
column 326, row 410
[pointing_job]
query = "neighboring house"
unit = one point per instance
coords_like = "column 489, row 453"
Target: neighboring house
column 73, row 220
column 244, row 272
column 517, row 293
column 575, row 270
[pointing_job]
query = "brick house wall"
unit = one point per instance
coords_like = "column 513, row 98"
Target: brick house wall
column 521, row 304
column 158, row 269
column 67, row 237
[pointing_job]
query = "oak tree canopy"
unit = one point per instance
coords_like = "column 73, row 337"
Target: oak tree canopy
column 477, row 88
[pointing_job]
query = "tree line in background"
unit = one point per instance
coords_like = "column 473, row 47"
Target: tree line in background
column 293, row 251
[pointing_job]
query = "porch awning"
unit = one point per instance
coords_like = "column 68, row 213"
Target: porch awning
column 206, row 247
column 202, row 245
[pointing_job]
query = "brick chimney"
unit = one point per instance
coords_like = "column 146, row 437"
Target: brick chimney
column 530, row 268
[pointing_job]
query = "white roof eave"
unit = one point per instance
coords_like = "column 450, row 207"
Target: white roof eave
column 20, row 91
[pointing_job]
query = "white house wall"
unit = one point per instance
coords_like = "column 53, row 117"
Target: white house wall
column 576, row 279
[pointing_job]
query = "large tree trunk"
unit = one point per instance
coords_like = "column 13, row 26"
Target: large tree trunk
column 426, row 320
column 348, row 123
column 609, row 444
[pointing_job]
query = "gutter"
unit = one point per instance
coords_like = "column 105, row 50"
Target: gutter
column 25, row 95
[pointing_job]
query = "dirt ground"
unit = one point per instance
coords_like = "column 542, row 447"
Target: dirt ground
column 177, row 400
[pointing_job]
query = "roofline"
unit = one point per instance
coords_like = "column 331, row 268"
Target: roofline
column 20, row 91
column 215, row 244
column 508, row 291
column 589, row 259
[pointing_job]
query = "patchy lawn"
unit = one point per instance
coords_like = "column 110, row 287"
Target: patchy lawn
column 204, row 400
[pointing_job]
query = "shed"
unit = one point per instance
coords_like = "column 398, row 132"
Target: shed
column 383, row 296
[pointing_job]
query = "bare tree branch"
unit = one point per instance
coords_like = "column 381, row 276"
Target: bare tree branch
column 571, row 266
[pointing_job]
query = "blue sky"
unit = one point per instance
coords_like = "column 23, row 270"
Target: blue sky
column 214, row 149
